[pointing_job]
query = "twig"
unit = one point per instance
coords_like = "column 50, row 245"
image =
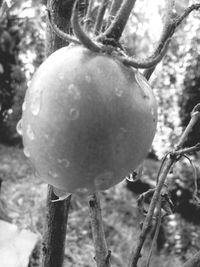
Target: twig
column 116, row 28
column 88, row 16
column 194, row 261
column 169, row 28
column 147, row 63
column 113, row 10
column 158, row 224
column 100, row 15
column 102, row 255
column 169, row 162
column 79, row 32
column 66, row 37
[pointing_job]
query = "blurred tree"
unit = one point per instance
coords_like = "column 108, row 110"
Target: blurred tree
column 20, row 27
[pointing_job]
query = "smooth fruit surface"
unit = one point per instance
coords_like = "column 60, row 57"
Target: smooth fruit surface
column 88, row 120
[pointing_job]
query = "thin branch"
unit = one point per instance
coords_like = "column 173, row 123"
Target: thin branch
column 165, row 168
column 102, row 256
column 186, row 13
column 88, row 16
column 79, row 32
column 100, row 15
column 66, row 37
column 194, row 261
column 147, row 63
column 158, row 224
column 116, row 28
column 169, row 29
column 115, row 6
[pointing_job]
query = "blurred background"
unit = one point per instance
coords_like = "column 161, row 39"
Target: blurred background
column 176, row 83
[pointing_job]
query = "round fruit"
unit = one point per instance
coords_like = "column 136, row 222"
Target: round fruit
column 88, row 120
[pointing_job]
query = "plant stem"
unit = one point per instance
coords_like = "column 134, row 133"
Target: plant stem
column 56, row 213
column 113, row 10
column 165, row 169
column 117, row 26
column 102, row 255
column 53, row 244
column 169, row 28
column 100, row 15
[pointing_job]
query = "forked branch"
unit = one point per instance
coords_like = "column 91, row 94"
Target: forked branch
column 169, row 28
column 165, row 168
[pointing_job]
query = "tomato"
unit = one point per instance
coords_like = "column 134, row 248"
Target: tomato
column 88, row 120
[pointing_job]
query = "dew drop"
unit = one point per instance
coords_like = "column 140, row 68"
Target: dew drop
column 53, row 174
column 61, row 76
column 19, row 127
column 64, row 162
column 88, row 78
column 73, row 91
column 26, row 152
column 73, row 114
column 118, row 91
column 36, row 103
column 24, row 106
column 30, row 132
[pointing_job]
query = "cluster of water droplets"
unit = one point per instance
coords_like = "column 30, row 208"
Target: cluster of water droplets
column 36, row 101
column 118, row 91
column 72, row 91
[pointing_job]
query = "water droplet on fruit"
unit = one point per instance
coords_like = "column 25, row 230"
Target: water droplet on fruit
column 19, row 127
column 36, row 102
column 24, row 106
column 26, row 152
column 64, row 162
column 73, row 114
column 118, row 91
column 30, row 132
column 104, row 180
column 53, row 174
column 88, row 78
column 73, row 91
column 61, row 76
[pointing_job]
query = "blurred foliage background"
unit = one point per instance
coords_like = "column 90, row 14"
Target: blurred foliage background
column 176, row 83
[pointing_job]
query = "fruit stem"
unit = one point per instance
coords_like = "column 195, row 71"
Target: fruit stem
column 66, row 37
column 146, row 63
column 116, row 28
column 79, row 32
column 100, row 15
column 113, row 11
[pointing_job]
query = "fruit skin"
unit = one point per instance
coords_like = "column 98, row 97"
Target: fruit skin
column 88, row 120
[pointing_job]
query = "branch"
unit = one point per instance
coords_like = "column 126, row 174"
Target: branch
column 194, row 261
column 146, row 63
column 80, row 34
column 100, row 15
column 169, row 29
column 66, row 37
column 102, row 256
column 113, row 10
column 116, row 28
column 88, row 16
column 53, row 244
column 170, row 160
